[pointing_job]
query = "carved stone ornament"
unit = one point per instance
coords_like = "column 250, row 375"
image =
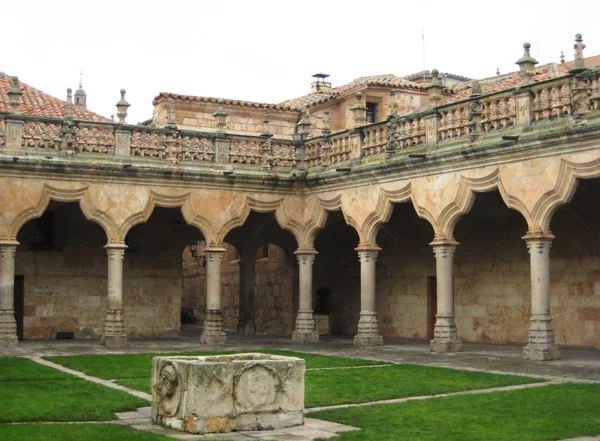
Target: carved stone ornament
column 168, row 390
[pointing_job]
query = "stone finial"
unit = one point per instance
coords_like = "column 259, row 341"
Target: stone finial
column 122, row 106
column 171, row 121
column 434, row 88
column 14, row 95
column 526, row 62
column 392, row 104
column 221, row 116
column 359, row 112
column 579, row 47
column 497, row 71
column 326, row 127
column 562, row 57
column 303, row 126
column 68, row 108
column 265, row 121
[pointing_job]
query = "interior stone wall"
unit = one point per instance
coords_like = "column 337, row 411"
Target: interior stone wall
column 65, row 283
column 273, row 290
column 491, row 273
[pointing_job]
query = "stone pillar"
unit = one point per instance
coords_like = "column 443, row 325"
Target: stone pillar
column 305, row 321
column 213, row 333
column 8, row 325
column 541, row 335
column 114, row 330
column 246, row 324
column 368, row 327
column 445, row 338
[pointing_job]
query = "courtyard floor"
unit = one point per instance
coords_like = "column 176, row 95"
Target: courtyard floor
column 576, row 366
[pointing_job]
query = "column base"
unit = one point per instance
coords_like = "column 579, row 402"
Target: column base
column 305, row 331
column 440, row 345
column 114, row 342
column 114, row 331
column 541, row 345
column 8, row 329
column 541, row 352
column 445, row 337
column 302, row 337
column 213, row 333
column 368, row 331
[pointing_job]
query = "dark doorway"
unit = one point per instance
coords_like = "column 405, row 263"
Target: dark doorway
column 432, row 294
column 19, row 305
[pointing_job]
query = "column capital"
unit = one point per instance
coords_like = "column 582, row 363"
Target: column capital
column 9, row 243
column 444, row 248
column 541, row 237
column 367, row 252
column 115, row 246
column 306, row 252
column 538, row 242
column 214, row 250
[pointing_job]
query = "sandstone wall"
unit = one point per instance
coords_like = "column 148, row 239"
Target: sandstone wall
column 65, row 283
column 274, row 287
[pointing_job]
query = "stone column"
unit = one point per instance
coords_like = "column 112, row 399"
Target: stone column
column 445, row 338
column 8, row 325
column 305, row 321
column 246, row 324
column 541, row 335
column 368, row 327
column 213, row 333
column 114, row 330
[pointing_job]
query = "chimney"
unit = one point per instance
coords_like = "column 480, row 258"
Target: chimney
column 320, row 85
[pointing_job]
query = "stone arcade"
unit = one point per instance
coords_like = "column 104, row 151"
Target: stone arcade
column 387, row 176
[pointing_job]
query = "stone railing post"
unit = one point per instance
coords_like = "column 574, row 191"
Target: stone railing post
column 541, row 334
column 14, row 125
column 305, row 322
column 368, row 326
column 445, row 337
column 432, row 124
column 122, row 142
column 8, row 325
column 114, row 329
column 524, row 105
column 213, row 333
column 222, row 140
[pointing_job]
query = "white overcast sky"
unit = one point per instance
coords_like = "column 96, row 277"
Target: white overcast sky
column 266, row 51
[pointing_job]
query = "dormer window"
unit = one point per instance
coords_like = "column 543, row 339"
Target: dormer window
column 371, row 112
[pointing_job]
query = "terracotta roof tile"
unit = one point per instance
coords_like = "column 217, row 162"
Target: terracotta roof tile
column 37, row 103
column 387, row 80
column 508, row 81
column 206, row 99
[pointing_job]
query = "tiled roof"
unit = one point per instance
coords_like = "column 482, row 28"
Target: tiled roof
column 427, row 73
column 508, row 81
column 388, row 80
column 37, row 103
column 589, row 62
column 206, row 99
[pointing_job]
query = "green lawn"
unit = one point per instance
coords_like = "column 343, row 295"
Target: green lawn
column 32, row 392
column 79, row 432
column 139, row 365
column 540, row 414
column 40, row 393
